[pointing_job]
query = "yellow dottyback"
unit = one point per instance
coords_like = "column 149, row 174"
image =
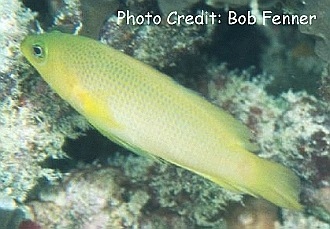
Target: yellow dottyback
column 147, row 112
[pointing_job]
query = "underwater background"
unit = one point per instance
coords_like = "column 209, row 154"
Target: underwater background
column 58, row 172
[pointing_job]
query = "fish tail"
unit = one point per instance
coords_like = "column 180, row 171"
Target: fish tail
column 277, row 184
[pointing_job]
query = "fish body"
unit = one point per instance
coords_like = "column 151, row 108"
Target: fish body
column 147, row 112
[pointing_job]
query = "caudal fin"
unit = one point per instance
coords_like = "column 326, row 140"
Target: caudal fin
column 277, row 184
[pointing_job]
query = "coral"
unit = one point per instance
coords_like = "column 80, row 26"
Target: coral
column 66, row 15
column 13, row 27
column 299, row 220
column 24, row 145
column 292, row 129
column 143, row 42
column 91, row 198
column 11, row 214
column 27, row 138
column 85, row 17
column 133, row 192
column 129, row 191
column 14, row 20
column 176, row 189
column 324, row 89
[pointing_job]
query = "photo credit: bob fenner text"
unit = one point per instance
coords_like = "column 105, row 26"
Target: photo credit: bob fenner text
column 265, row 17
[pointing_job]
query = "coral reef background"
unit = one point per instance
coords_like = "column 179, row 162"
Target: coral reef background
column 56, row 172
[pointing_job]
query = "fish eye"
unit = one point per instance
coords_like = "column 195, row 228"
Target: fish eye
column 38, row 51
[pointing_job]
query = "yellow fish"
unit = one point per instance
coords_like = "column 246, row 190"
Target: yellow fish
column 147, row 112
